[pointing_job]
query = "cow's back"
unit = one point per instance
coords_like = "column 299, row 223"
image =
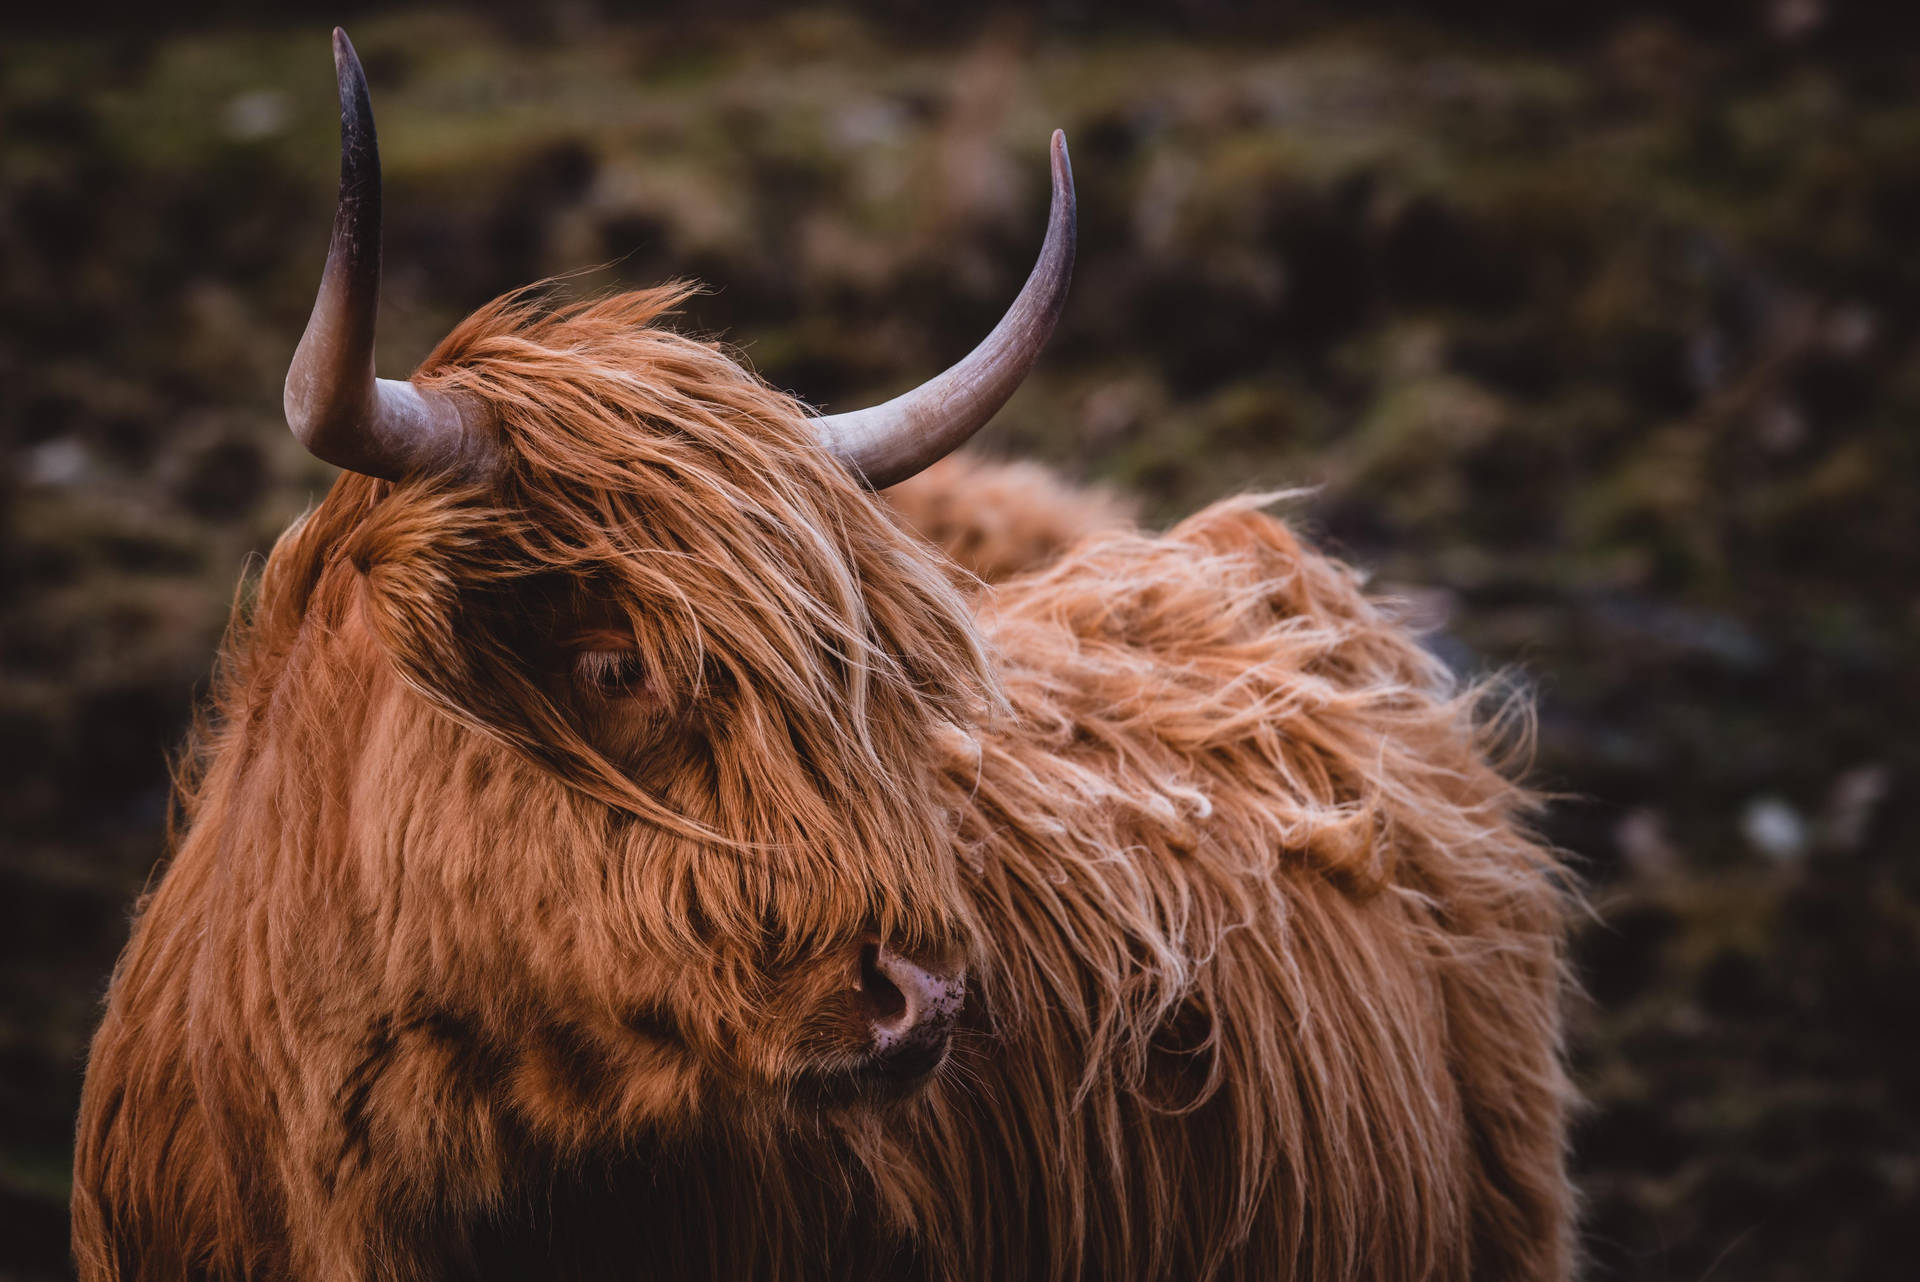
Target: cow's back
column 1273, row 970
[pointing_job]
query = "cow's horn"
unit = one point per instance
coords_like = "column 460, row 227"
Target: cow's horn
column 380, row 426
column 889, row 442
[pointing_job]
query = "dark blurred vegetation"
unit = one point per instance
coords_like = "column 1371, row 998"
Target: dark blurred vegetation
column 1599, row 333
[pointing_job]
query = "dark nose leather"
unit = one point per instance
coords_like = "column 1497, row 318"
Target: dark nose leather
column 910, row 1007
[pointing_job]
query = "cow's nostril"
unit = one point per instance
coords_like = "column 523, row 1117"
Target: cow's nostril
column 910, row 1008
column 883, row 999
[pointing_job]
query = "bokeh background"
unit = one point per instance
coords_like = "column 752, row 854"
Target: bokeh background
column 1596, row 327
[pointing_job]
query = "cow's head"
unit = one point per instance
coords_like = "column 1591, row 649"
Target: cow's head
column 654, row 697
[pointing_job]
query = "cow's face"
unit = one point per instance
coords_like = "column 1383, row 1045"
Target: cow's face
column 674, row 699
column 657, row 790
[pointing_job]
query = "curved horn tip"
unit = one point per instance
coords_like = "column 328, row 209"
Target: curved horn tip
column 355, row 100
column 346, row 59
column 886, row 443
column 335, row 405
column 1063, row 178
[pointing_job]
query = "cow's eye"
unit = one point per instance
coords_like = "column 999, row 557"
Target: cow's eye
column 610, row 673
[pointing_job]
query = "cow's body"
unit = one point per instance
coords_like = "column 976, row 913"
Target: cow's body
column 1273, row 989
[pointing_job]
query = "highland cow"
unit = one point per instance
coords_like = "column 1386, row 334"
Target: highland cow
column 619, row 847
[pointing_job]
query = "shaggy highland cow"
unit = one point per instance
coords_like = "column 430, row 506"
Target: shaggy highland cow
column 619, row 847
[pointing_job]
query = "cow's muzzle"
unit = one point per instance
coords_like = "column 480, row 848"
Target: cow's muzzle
column 910, row 1005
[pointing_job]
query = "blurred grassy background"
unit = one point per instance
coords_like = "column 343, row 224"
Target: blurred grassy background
column 1599, row 335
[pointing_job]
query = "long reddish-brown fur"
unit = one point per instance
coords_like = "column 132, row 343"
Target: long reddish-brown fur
column 456, row 972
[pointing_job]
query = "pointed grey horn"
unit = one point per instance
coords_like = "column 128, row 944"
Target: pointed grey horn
column 342, row 413
column 889, row 442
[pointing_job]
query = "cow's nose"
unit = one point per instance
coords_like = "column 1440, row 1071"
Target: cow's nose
column 910, row 1007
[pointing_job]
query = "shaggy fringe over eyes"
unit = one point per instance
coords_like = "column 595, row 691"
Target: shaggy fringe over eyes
column 691, row 500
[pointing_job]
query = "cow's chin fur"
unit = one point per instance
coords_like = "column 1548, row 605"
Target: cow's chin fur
column 838, row 1095
column 452, row 974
